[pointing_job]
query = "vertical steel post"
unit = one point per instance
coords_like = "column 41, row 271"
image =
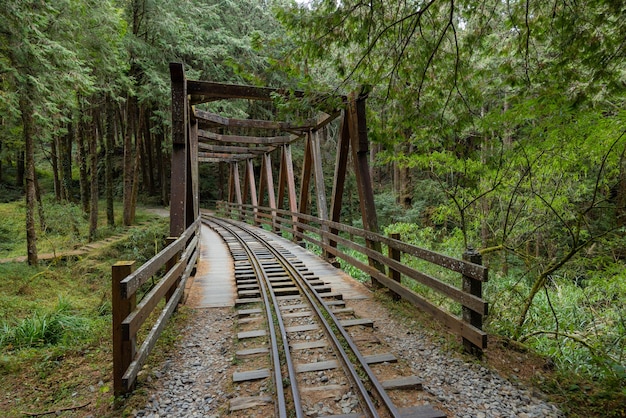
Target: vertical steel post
column 360, row 149
column 341, row 169
column 180, row 117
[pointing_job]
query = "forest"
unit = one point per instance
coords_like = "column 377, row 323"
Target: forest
column 495, row 124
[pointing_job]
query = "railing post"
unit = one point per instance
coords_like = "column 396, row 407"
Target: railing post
column 123, row 350
column 473, row 287
column 168, row 266
column 394, row 254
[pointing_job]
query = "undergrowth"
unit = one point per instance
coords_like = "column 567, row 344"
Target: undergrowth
column 579, row 328
column 56, row 319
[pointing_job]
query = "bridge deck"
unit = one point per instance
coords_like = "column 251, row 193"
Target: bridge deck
column 214, row 282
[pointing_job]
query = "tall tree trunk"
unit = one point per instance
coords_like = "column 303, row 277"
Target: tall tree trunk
column 54, row 145
column 93, row 168
column 26, row 109
column 484, row 203
column 396, row 180
column 82, row 167
column 128, row 179
column 149, row 155
column 66, row 163
column 19, row 177
column 108, row 161
column 129, row 171
column 141, row 150
column 620, row 193
column 160, row 164
column 406, row 186
column 136, row 167
column 1, row 159
column 40, row 210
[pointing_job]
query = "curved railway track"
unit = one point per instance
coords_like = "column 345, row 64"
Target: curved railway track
column 297, row 352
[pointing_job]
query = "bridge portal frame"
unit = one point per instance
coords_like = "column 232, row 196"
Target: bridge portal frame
column 197, row 137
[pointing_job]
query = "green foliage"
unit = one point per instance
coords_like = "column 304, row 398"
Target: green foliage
column 61, row 326
column 144, row 243
column 389, row 211
column 63, row 219
column 590, row 321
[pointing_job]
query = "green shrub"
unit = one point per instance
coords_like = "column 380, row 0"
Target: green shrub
column 45, row 328
column 64, row 219
column 144, row 243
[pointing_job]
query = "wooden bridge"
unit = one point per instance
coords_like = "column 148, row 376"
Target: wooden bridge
column 249, row 146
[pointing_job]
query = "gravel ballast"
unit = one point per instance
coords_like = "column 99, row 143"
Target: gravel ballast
column 197, row 382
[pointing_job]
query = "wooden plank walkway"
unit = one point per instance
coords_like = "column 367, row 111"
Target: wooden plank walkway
column 213, row 285
column 214, row 282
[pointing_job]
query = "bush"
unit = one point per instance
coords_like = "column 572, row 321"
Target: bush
column 389, row 211
column 144, row 243
column 64, row 218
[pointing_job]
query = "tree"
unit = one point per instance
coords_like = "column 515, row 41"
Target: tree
column 43, row 69
column 68, row 50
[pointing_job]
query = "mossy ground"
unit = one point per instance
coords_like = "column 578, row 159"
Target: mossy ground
column 55, row 342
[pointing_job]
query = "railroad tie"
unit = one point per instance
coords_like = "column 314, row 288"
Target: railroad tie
column 403, row 383
column 247, row 312
column 356, row 322
column 251, row 352
column 422, row 411
column 243, row 301
column 380, row 358
column 251, row 334
column 317, row 366
column 250, row 375
column 248, row 402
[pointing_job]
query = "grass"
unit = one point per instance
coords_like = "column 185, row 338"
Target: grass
column 61, row 326
column 66, row 227
column 55, row 349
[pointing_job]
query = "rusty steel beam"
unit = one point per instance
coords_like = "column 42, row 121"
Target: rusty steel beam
column 360, row 147
column 236, row 183
column 211, row 120
column 318, row 175
column 226, row 156
column 286, row 179
column 232, row 149
column 341, row 168
column 243, row 139
column 204, row 91
column 178, row 188
column 252, row 188
column 305, row 178
column 193, row 210
column 267, row 182
column 217, row 160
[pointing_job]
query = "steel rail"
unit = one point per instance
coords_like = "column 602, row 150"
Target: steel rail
column 266, row 288
column 316, row 300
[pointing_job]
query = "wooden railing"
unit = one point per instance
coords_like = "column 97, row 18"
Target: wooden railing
column 179, row 259
column 388, row 271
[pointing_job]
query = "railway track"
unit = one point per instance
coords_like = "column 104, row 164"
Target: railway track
column 302, row 353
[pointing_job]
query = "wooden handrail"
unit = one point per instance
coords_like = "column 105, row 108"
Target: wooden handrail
column 474, row 307
column 129, row 317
